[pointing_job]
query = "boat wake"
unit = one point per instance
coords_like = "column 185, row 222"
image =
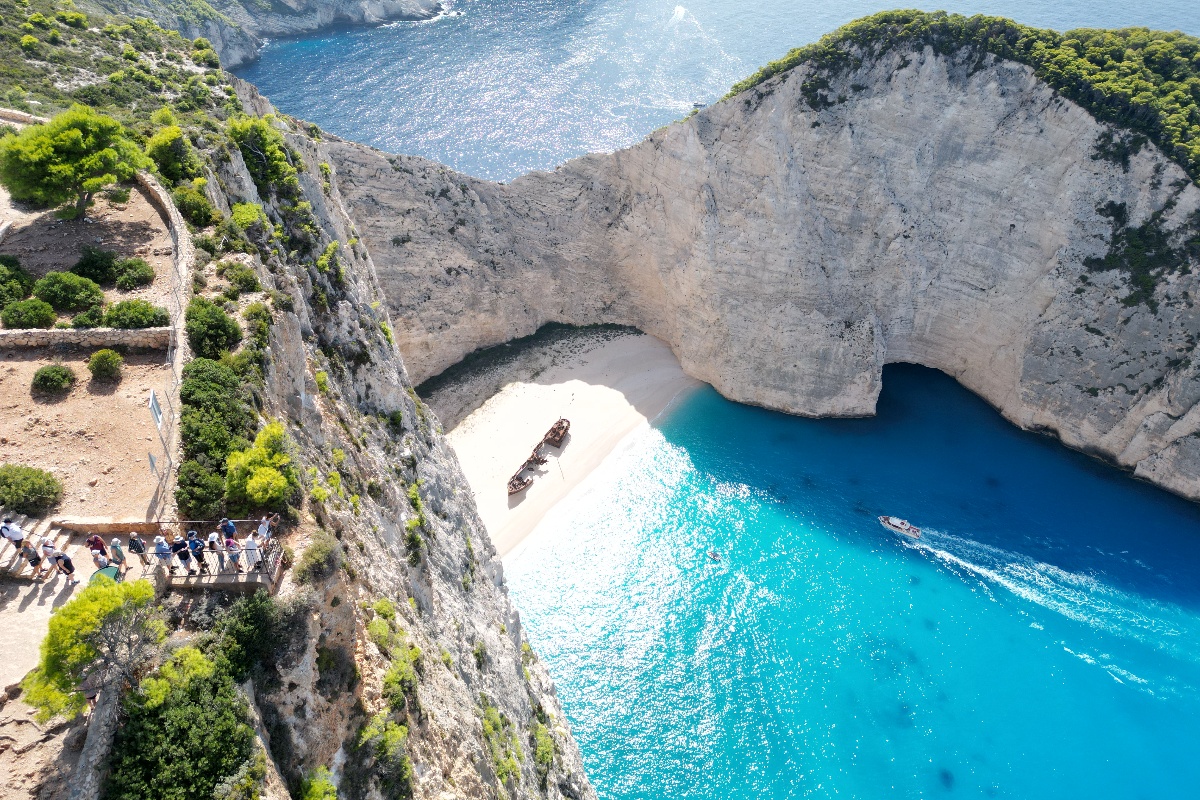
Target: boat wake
column 1080, row 597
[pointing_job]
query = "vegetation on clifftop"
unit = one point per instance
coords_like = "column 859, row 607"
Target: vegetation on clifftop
column 1146, row 81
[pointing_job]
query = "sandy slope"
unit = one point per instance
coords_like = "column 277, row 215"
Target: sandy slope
column 607, row 393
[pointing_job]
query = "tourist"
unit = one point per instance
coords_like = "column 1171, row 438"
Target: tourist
column 65, row 566
column 227, row 527
column 181, row 551
column 46, row 567
column 99, row 559
column 214, row 551
column 196, row 546
column 118, row 556
column 138, row 548
column 250, row 546
column 265, row 527
column 12, row 531
column 31, row 554
column 94, row 542
column 235, row 552
column 162, row 551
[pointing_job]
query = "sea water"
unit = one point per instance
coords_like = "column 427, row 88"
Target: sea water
column 496, row 88
column 1040, row 640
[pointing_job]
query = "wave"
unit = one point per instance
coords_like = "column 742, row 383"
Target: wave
column 1076, row 596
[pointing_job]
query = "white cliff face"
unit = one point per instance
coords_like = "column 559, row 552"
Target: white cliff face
column 940, row 213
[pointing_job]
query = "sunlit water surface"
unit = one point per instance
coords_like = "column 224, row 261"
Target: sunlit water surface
column 501, row 87
column 1041, row 639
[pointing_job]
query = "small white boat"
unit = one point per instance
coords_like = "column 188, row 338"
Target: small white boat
column 902, row 526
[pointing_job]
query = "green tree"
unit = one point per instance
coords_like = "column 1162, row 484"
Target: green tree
column 71, row 157
column 106, row 636
column 172, row 153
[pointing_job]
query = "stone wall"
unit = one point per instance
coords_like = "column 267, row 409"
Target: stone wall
column 89, row 338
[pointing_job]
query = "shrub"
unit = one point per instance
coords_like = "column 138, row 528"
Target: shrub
column 387, row 741
column 318, row 785
column 248, row 215
column 15, row 283
column 384, row 608
column 66, row 291
column 209, row 329
column 53, row 379
column 199, row 491
column 134, row 272
column 28, row 314
column 186, row 730
column 261, row 476
column 96, row 264
column 172, row 153
column 242, row 277
column 92, row 318
column 543, row 750
column 27, row 490
column 320, row 559
column 105, row 365
column 195, row 207
column 130, row 314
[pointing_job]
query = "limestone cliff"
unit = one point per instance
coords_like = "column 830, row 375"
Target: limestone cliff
column 397, row 478
column 940, row 208
column 238, row 28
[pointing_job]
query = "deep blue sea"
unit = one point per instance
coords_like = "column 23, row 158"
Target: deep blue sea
column 1041, row 639
column 515, row 85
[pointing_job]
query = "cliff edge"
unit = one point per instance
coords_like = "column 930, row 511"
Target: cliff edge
column 927, row 204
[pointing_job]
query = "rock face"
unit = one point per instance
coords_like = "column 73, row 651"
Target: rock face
column 237, row 30
column 396, row 477
column 934, row 209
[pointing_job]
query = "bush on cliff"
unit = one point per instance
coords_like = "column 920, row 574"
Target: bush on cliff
column 194, row 205
column 15, row 283
column 68, row 292
column 131, row 314
column 262, row 476
column 53, row 379
column 209, row 329
column 172, row 154
column 32, row 313
column 28, row 490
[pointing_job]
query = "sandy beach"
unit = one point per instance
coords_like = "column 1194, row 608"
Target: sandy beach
column 607, row 393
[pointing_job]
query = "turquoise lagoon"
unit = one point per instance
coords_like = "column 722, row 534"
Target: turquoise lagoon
column 1041, row 640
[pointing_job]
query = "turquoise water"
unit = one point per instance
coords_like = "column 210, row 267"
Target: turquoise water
column 1042, row 640
column 515, row 85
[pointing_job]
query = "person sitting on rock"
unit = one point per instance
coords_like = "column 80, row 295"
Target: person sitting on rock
column 12, row 531
column 181, row 551
column 162, row 551
column 95, row 542
column 138, row 548
column 118, row 556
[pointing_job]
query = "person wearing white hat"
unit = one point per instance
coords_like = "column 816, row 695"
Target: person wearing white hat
column 162, row 551
column 117, row 556
column 214, row 551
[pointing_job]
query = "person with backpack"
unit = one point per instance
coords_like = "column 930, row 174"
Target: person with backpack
column 12, row 531
column 214, row 551
column 196, row 547
column 138, row 548
column 118, row 559
column 235, row 552
column 96, row 542
column 182, row 552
